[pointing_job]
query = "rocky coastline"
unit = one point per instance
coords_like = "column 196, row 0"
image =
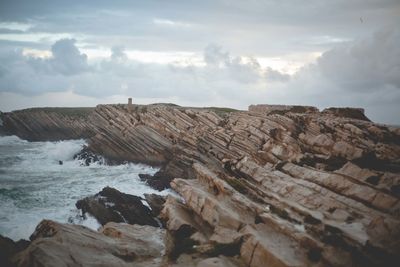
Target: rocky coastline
column 272, row 186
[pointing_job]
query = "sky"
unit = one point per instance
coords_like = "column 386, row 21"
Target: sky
column 337, row 53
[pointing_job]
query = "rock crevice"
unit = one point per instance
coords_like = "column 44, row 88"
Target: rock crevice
column 287, row 186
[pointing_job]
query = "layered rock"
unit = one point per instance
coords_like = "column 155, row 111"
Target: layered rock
column 49, row 124
column 110, row 205
column 116, row 244
column 286, row 187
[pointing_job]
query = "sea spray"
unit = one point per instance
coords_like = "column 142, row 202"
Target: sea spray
column 34, row 186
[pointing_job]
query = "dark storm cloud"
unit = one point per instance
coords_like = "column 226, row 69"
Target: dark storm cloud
column 365, row 65
column 242, row 26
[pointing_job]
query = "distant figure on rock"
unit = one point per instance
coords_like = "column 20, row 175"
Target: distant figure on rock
column 60, row 162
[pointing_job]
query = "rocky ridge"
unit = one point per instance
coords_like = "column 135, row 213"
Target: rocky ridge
column 267, row 187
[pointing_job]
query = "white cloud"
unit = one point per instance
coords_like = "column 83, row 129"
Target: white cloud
column 362, row 73
column 171, row 23
column 67, row 59
column 15, row 26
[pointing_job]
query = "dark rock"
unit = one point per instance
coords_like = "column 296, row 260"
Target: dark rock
column 110, row 205
column 158, row 181
column 352, row 113
column 156, row 203
column 9, row 248
column 87, row 156
column 371, row 161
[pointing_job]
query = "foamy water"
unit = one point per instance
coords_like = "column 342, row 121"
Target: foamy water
column 34, row 186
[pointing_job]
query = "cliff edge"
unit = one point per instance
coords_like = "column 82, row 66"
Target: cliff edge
column 265, row 187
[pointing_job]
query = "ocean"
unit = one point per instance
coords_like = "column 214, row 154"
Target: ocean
column 34, row 186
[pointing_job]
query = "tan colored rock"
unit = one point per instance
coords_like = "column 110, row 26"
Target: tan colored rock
column 290, row 185
column 55, row 244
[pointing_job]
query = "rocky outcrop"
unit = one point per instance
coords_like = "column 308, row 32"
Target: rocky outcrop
column 49, row 124
column 116, row 244
column 156, row 203
column 110, row 205
column 281, row 109
column 287, row 187
column 8, row 248
column 354, row 113
column 87, row 157
column 158, row 181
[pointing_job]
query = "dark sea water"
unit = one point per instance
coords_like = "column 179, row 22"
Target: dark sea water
column 34, row 186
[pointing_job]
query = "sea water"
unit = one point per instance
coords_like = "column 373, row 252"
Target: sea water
column 34, row 186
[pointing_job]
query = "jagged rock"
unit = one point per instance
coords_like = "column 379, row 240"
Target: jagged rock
column 354, row 113
column 157, row 181
column 110, row 205
column 87, row 157
column 290, row 186
column 281, row 109
column 185, row 229
column 55, row 244
column 8, row 248
column 155, row 202
column 49, row 124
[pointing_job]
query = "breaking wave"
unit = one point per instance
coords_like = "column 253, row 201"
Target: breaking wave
column 34, row 186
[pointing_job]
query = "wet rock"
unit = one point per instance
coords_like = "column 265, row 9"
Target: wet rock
column 155, row 202
column 58, row 245
column 87, row 157
column 158, row 181
column 290, row 186
column 110, row 205
column 8, row 248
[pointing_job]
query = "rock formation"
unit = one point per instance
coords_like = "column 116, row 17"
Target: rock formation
column 49, row 124
column 116, row 244
column 267, row 187
column 110, row 205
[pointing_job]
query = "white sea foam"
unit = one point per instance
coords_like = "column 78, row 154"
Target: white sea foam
column 34, row 186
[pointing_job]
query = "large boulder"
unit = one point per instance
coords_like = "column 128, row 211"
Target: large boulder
column 157, row 181
column 8, row 248
column 87, row 157
column 156, row 203
column 110, row 205
column 117, row 244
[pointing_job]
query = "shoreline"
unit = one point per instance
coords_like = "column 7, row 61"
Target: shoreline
column 315, row 182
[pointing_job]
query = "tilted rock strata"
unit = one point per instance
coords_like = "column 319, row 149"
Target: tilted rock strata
column 296, row 187
column 110, row 205
column 49, row 124
column 58, row 245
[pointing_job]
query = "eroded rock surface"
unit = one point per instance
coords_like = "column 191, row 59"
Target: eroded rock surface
column 49, row 124
column 110, row 205
column 286, row 187
column 116, row 244
column 8, row 248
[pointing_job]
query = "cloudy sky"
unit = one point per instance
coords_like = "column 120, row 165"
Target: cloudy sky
column 202, row 53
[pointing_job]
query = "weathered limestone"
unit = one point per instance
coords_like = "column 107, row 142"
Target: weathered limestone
column 49, row 124
column 55, row 244
column 275, row 186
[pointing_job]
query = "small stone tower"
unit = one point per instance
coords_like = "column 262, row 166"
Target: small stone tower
column 130, row 107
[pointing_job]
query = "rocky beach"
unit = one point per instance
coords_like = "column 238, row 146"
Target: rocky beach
column 271, row 186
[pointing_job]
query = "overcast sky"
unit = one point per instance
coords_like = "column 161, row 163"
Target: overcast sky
column 202, row 53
